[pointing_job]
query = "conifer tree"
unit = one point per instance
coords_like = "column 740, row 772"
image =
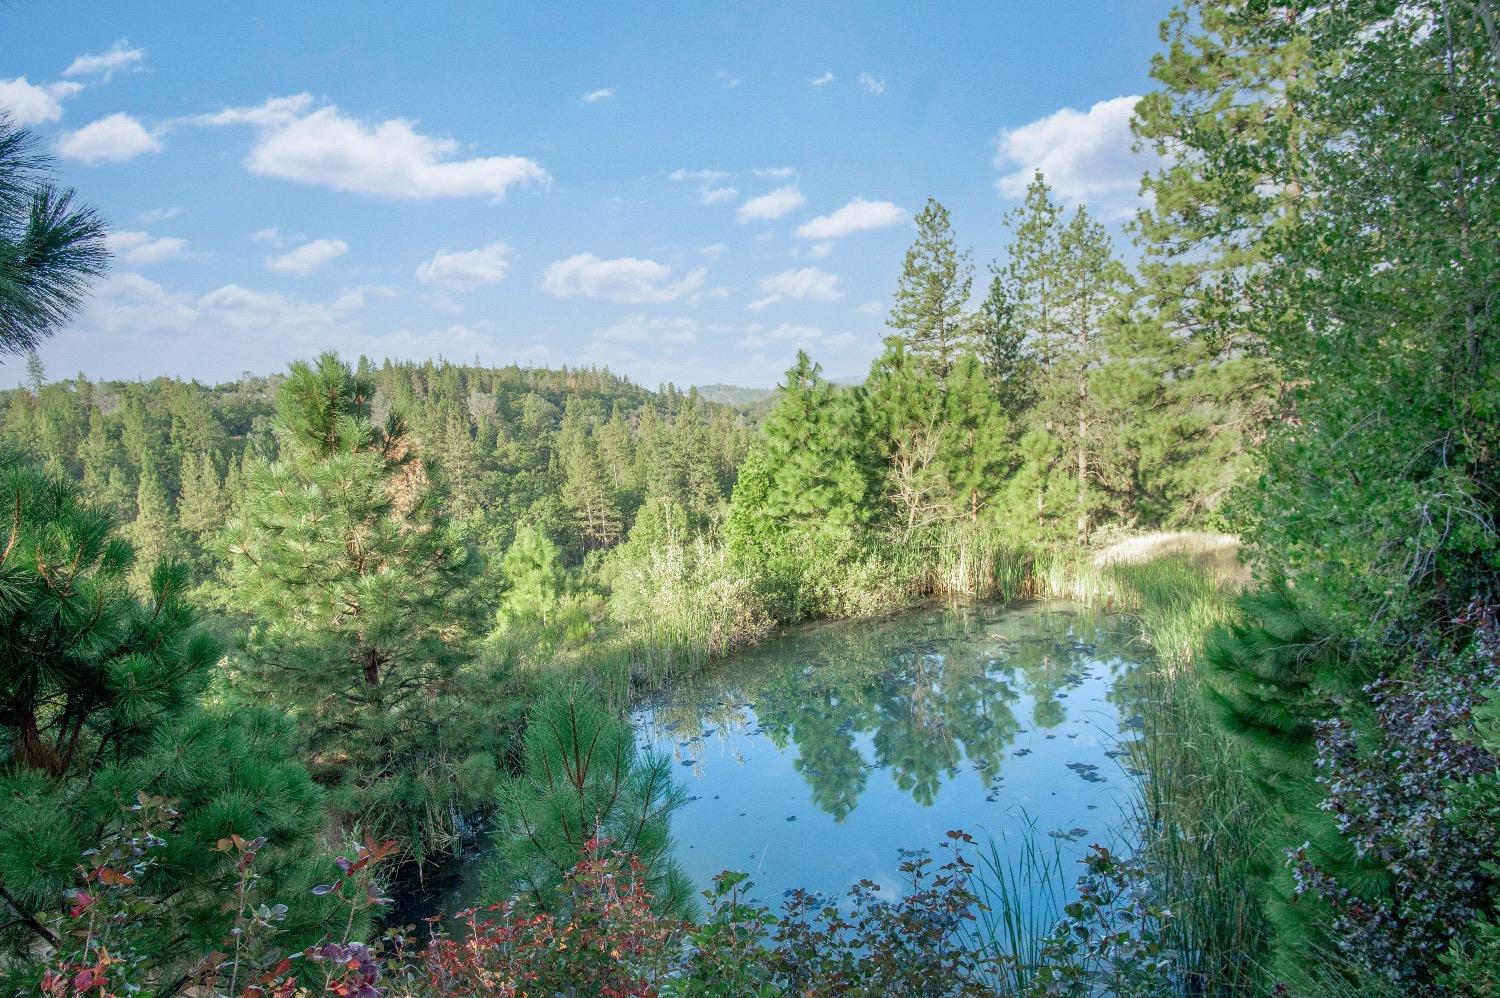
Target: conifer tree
column 50, row 248
column 534, row 578
column 806, row 476
column 904, row 414
column 933, row 293
column 978, row 441
column 587, row 488
column 1275, row 674
column 154, row 532
column 351, row 582
column 1228, row 95
column 1059, row 285
column 36, row 374
column 583, row 781
column 99, row 702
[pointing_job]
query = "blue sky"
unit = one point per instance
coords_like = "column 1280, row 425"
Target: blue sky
column 683, row 192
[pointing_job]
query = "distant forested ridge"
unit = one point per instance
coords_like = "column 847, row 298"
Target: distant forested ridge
column 572, row 452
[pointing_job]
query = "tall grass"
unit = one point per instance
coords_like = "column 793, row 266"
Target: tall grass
column 1023, row 883
column 1199, row 816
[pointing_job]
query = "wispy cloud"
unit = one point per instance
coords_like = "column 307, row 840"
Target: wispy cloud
column 153, row 215
column 623, row 279
column 771, row 206
column 307, row 258
column 821, row 81
column 106, row 64
column 462, row 270
column 595, row 96
column 874, row 86
column 706, row 181
column 143, row 248
column 803, row 283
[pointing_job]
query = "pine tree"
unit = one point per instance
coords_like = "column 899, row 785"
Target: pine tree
column 36, row 374
column 904, row 414
column 587, row 489
column 352, row 584
column 583, row 780
column 933, row 293
column 534, row 578
column 1059, row 285
column 1275, row 674
column 806, row 476
column 50, row 248
column 154, row 532
column 99, row 702
column 978, row 441
column 1228, row 95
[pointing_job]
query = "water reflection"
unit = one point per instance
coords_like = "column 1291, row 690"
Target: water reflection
column 918, row 696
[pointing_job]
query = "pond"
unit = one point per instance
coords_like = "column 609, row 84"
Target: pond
column 812, row 760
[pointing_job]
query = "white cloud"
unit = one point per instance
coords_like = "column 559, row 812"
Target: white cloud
column 730, row 82
column 771, row 206
column 819, row 250
column 714, row 195
column 706, row 180
column 352, row 299
column 876, row 87
column 624, row 279
column 389, row 159
column 153, row 215
column 776, row 172
column 108, row 140
column 143, row 248
column 1085, row 156
column 462, row 270
column 757, row 335
column 269, row 235
column 704, row 176
column 308, row 257
column 595, row 96
column 858, row 215
column 713, row 251
column 106, row 64
column 638, row 328
column 31, row 104
column 821, row 81
column 799, row 284
column 871, row 308
column 133, row 326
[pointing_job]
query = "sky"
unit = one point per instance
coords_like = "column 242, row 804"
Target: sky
column 681, row 192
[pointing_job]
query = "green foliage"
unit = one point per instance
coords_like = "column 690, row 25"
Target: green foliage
column 534, row 578
column 583, row 782
column 99, row 704
column 933, row 293
column 50, row 248
column 89, row 669
column 677, row 598
column 353, row 586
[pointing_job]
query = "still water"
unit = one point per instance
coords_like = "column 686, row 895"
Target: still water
column 813, row 759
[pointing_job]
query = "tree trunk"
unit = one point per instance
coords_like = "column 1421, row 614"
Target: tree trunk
column 32, row 751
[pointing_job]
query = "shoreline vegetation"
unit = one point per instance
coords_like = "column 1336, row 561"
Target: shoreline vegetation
column 269, row 647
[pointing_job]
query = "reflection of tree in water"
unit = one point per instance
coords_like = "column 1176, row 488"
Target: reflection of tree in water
column 929, row 692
